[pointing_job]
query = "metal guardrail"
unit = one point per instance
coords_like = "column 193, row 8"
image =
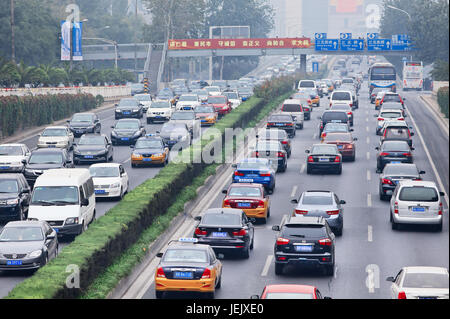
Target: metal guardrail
column 162, row 63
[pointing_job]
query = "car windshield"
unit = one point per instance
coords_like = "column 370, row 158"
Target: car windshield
column 9, row 186
column 204, row 109
column 341, row 96
column 212, row 89
column 391, row 98
column 188, row 98
column 183, row 116
column 292, row 108
column 426, row 280
column 245, row 191
column 392, row 106
column 217, row 100
column 418, row 194
column 288, row 295
column 127, row 125
column 45, row 158
column 280, row 118
column 401, row 170
column 144, row 97
column 221, row 219
column 21, row 234
column 306, row 84
column 317, row 200
column 128, row 102
column 160, row 105
column 54, row 132
column 10, row 150
column 324, row 149
column 148, row 144
column 401, row 146
column 99, row 171
column 91, row 140
column 82, row 118
column 55, row 195
column 185, row 256
column 231, row 95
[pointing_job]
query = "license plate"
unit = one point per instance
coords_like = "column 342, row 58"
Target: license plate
column 396, row 162
column 56, row 230
column 88, row 156
column 147, row 159
column 50, row 146
column 100, row 191
column 203, row 121
column 244, row 204
column 14, row 262
column 127, row 113
column 335, row 121
column 280, row 124
column 246, row 180
column 418, row 209
column 340, row 147
column 125, row 138
column 4, row 167
column 304, row 248
column 427, row 297
column 183, row 275
column 324, row 159
column 219, row 234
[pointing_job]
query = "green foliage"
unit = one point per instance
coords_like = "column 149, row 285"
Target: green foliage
column 442, row 97
column 57, row 76
column 440, row 71
column 9, row 75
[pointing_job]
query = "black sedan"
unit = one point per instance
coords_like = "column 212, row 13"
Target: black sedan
column 127, row 131
column 176, row 134
column 272, row 150
column 129, row 107
column 325, row 157
column 14, row 197
column 394, row 152
column 393, row 173
column 93, row 148
column 225, row 230
column 82, row 123
column 282, row 122
column 276, row 135
column 27, row 245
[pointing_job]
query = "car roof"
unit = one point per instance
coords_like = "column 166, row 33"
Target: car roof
column 246, row 185
column 290, row 288
column 106, row 165
column 417, row 183
column 48, row 150
column 425, row 269
column 55, row 127
column 25, row 223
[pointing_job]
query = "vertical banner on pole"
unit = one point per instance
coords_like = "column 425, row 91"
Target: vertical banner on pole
column 77, row 32
column 65, row 40
column 146, row 86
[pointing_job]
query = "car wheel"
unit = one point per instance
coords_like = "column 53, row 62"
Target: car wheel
column 308, row 170
column 268, row 213
column 339, row 231
column 118, row 198
column 210, row 295
column 253, row 241
column 329, row 270
column 279, row 269
column 438, row 227
column 353, row 158
column 246, row 252
column 339, row 171
column 219, row 283
column 394, row 224
column 159, row 294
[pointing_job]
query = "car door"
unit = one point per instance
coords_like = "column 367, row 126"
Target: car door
column 216, row 264
column 71, row 137
column 247, row 224
column 25, row 192
column 395, row 287
column 123, row 178
column 50, row 243
column 109, row 148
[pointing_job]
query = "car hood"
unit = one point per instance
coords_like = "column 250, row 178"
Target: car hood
column 188, row 122
column 15, row 247
column 125, row 131
column 174, row 134
column 57, row 213
column 90, row 148
column 105, row 180
column 4, row 196
column 12, row 159
column 43, row 166
column 204, row 114
column 127, row 107
column 45, row 139
column 148, row 151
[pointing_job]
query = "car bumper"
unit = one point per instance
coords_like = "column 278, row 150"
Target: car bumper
column 42, row 145
column 11, row 169
column 9, row 213
column 120, row 115
column 151, row 161
column 107, row 192
column 80, row 131
column 314, row 260
column 158, row 118
column 124, row 140
column 347, row 152
column 256, row 212
column 199, row 285
column 435, row 220
column 95, row 159
column 388, row 160
column 68, row 230
column 266, row 181
column 224, row 245
column 27, row 264
column 324, row 166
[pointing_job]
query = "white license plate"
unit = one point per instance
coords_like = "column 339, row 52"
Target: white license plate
column 324, row 159
column 246, row 180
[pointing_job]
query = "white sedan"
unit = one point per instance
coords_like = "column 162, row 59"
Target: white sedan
column 110, row 180
column 420, row 283
column 56, row 136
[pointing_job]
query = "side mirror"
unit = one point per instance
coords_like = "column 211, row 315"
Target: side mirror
column 84, row 202
column 132, row 146
column 159, row 255
column 68, row 121
column 68, row 161
column 254, row 297
column 294, row 201
column 307, row 151
column 351, row 130
column 52, row 235
column 276, row 228
column 391, row 279
column 412, row 148
column 198, row 218
column 24, row 161
column 355, row 138
column 422, row 172
column 112, row 126
column 342, row 202
column 379, row 171
column 441, row 193
column 326, row 297
column 375, row 115
column 377, row 148
column 404, row 98
column 224, row 191
column 412, row 133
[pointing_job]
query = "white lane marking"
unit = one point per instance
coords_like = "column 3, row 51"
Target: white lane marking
column 369, row 200
column 433, row 166
column 368, row 155
column 367, row 119
column 335, row 271
column 315, row 135
column 370, row 233
column 108, row 118
column 267, row 266
column 294, row 191
column 368, row 140
column 367, row 128
column 302, row 170
column 127, row 160
column 368, row 175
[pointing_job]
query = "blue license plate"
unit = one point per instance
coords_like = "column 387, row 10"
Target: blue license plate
column 304, row 248
column 14, row 262
column 88, row 156
column 244, row 204
column 127, row 113
column 4, row 167
column 125, row 138
column 52, row 146
column 280, row 124
column 396, row 162
column 219, row 234
column 324, row 159
column 340, row 147
column 203, row 121
column 56, row 230
column 418, row 209
column 100, row 191
column 147, row 159
column 183, row 275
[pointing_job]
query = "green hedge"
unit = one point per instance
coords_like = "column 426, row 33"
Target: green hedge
column 23, row 112
column 109, row 236
column 442, row 97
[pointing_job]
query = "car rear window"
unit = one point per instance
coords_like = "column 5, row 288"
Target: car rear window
column 280, row 117
column 288, row 295
column 401, row 146
column 291, row 108
column 395, row 132
column 186, row 255
column 221, row 219
column 317, row 200
column 306, row 231
column 331, row 116
column 245, row 191
column 425, row 280
column 306, row 84
column 418, row 194
column 341, row 96
column 400, row 169
column 391, row 98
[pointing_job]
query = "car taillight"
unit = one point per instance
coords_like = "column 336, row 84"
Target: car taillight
column 200, row 232
column 310, row 159
column 270, row 124
column 380, row 119
column 323, row 135
column 289, row 124
column 387, row 181
column 351, row 104
column 349, row 113
column 284, row 142
column 384, row 154
column 301, row 212
column 409, row 134
column 348, row 146
column 309, row 101
column 401, row 295
column 331, row 104
column 325, row 242
column 282, row 241
column 206, row 273
column 407, row 154
column 337, row 159
column 264, row 174
column 333, row 212
column 160, row 273
column 400, row 119
column 226, row 203
column 441, row 207
column 280, row 154
column 256, row 154
column 238, row 173
column 261, row 204
column 242, row 232
column 396, row 208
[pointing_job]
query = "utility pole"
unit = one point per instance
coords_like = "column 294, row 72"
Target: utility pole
column 13, row 46
column 135, row 45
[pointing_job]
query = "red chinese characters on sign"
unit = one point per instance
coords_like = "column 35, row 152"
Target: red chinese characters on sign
column 266, row 43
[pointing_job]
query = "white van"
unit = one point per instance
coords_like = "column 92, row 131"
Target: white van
column 341, row 97
column 65, row 199
column 294, row 107
column 307, row 84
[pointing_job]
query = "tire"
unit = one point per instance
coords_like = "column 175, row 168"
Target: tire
column 394, row 224
column 246, row 253
column 119, row 198
column 133, row 165
column 329, row 270
column 159, row 294
column 353, row 158
column 219, row 284
column 438, row 227
column 339, row 171
column 338, row 232
column 279, row 269
column 252, row 244
column 308, row 170
column 210, row 295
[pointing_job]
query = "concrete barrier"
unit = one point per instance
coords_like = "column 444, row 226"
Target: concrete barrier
column 439, row 84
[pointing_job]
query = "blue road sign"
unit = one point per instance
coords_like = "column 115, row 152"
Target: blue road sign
column 378, row 44
column 371, row 36
column 401, row 42
column 320, row 36
column 345, row 36
column 315, row 66
column 352, row 45
column 327, row 44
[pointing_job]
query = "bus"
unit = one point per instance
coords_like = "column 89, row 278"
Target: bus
column 382, row 75
column 412, row 75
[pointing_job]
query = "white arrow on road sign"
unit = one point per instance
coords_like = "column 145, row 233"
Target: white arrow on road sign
column 388, row 44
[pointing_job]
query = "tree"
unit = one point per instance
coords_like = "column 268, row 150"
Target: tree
column 9, row 75
column 57, row 76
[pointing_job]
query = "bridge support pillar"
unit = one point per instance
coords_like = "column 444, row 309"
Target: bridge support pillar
column 303, row 64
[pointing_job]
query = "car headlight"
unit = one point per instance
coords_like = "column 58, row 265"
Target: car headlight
column 35, row 254
column 76, row 151
column 136, row 156
column 71, row 221
column 158, row 155
column 135, row 110
column 118, row 111
column 184, row 138
column 225, row 107
column 14, row 201
column 113, row 133
column 29, row 171
column 115, row 185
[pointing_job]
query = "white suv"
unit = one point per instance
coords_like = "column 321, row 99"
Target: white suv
column 188, row 100
column 159, row 111
column 294, row 107
column 341, row 97
column 416, row 202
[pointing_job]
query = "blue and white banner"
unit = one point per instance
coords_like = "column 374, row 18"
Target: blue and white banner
column 77, row 54
column 65, row 40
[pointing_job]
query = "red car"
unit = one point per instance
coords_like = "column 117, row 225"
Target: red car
column 290, row 292
column 220, row 103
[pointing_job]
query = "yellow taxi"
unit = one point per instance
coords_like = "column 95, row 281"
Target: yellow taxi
column 187, row 265
column 149, row 150
column 206, row 114
column 250, row 197
column 378, row 99
column 330, row 85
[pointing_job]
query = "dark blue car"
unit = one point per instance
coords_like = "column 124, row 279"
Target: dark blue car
column 255, row 170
